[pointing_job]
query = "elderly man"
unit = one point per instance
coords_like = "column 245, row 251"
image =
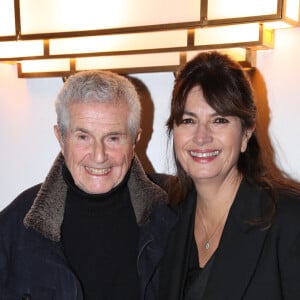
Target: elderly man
column 97, row 226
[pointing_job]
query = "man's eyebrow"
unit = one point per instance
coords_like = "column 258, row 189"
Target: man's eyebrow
column 84, row 130
column 80, row 129
column 115, row 133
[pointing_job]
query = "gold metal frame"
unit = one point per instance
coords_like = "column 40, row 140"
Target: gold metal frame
column 189, row 32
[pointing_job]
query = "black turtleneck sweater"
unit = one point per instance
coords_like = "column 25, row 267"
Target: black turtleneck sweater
column 100, row 238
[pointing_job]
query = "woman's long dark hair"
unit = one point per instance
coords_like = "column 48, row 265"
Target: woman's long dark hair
column 228, row 90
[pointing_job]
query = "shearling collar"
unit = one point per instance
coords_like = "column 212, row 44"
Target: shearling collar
column 47, row 212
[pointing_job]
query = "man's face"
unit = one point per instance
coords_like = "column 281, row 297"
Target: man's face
column 97, row 147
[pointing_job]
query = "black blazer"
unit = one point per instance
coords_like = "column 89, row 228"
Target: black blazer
column 250, row 263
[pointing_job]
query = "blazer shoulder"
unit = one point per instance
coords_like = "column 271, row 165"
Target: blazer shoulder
column 288, row 215
column 288, row 204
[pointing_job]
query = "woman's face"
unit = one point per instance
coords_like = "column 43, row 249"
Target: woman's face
column 207, row 144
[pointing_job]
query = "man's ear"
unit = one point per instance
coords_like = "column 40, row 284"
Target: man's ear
column 138, row 137
column 58, row 136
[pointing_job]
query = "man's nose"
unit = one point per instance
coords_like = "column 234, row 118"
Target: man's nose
column 99, row 152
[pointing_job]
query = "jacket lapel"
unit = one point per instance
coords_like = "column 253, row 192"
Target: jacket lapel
column 153, row 240
column 239, row 249
column 175, row 263
column 47, row 212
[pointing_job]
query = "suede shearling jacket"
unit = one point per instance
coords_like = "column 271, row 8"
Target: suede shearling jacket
column 32, row 262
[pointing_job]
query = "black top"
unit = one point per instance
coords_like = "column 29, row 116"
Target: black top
column 197, row 277
column 250, row 262
column 100, row 240
column 181, row 278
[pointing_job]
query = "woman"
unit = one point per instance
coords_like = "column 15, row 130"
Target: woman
column 238, row 235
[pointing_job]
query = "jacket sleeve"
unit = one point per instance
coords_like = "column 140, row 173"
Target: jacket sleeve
column 5, row 258
column 289, row 248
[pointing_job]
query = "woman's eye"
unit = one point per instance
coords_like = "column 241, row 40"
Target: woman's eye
column 187, row 121
column 220, row 120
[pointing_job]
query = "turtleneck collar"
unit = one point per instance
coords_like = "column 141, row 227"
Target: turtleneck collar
column 47, row 211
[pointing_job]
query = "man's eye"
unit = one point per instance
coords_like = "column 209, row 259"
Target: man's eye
column 114, row 138
column 82, row 137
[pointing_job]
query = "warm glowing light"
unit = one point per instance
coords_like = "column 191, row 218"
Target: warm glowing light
column 45, row 65
column 277, row 25
column 220, row 9
column 55, row 37
column 7, row 18
column 21, row 49
column 292, row 10
column 43, row 17
column 238, row 54
column 119, row 42
column 128, row 61
column 230, row 34
column 169, row 60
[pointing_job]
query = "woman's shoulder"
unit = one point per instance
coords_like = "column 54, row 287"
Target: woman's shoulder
column 286, row 200
column 288, row 205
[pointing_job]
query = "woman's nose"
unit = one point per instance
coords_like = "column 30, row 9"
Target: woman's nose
column 202, row 134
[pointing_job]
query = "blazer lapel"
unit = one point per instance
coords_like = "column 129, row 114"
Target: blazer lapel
column 239, row 249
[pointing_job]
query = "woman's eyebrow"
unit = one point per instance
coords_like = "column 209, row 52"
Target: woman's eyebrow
column 192, row 114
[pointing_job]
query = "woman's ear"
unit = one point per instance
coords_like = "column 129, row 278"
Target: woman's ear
column 246, row 136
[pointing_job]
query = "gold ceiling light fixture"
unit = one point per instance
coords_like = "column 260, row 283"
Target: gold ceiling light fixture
column 60, row 37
